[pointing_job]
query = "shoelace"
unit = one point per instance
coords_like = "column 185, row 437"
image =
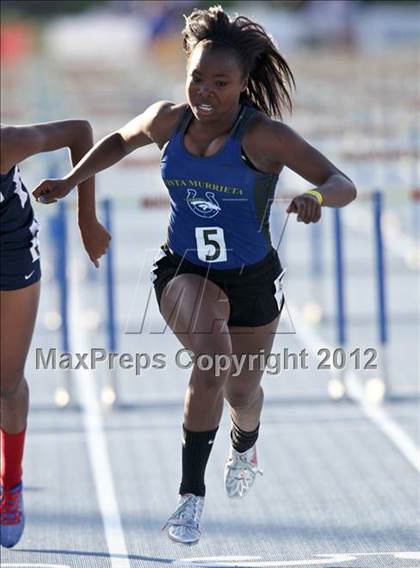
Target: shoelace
column 241, row 462
column 184, row 514
column 10, row 513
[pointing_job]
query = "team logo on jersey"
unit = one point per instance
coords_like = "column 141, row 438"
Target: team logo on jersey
column 202, row 207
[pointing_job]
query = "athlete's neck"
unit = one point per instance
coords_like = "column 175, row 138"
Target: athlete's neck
column 218, row 127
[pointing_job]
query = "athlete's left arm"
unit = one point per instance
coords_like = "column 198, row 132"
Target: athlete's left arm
column 291, row 150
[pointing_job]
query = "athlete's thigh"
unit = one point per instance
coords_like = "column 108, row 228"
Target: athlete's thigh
column 17, row 320
column 250, row 341
column 196, row 309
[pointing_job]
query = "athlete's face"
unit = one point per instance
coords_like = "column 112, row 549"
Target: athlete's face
column 214, row 83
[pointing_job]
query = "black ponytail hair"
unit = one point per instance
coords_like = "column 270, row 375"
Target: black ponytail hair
column 270, row 79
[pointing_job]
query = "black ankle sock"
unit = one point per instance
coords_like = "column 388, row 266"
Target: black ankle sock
column 241, row 440
column 196, row 450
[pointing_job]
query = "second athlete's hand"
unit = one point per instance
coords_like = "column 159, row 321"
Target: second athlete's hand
column 51, row 190
column 306, row 207
column 95, row 239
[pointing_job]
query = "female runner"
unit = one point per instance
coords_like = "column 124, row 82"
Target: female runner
column 20, row 275
column 214, row 279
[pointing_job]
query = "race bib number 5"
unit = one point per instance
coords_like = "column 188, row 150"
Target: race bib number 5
column 211, row 245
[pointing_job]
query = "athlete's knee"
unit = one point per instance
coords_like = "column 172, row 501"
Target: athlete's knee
column 218, row 346
column 212, row 366
column 207, row 383
column 12, row 386
column 241, row 398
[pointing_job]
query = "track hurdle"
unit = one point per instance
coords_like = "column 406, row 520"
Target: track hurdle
column 59, row 231
column 336, row 386
column 381, row 289
column 109, row 393
column 313, row 311
column 341, row 323
column 57, row 225
column 63, row 394
column 378, row 387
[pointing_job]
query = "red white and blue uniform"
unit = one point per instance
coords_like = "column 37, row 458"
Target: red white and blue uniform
column 19, row 264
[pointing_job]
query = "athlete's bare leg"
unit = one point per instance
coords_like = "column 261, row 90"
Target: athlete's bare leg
column 244, row 392
column 18, row 314
column 197, row 311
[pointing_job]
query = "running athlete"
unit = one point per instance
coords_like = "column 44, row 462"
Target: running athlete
column 20, row 275
column 215, row 276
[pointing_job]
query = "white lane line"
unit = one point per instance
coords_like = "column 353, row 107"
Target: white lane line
column 258, row 562
column 96, row 440
column 384, row 422
column 374, row 413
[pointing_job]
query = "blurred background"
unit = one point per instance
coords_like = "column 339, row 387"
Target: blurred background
column 356, row 65
column 352, row 282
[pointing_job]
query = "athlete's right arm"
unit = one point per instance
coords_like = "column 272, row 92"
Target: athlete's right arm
column 149, row 127
column 21, row 142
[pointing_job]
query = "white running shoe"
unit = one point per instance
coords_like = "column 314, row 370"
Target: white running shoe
column 240, row 472
column 184, row 525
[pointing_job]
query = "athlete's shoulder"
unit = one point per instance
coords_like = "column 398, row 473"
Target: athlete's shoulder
column 260, row 140
column 262, row 126
column 270, row 131
column 270, row 143
column 163, row 119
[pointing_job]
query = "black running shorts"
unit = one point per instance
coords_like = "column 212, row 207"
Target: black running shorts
column 251, row 290
column 19, row 258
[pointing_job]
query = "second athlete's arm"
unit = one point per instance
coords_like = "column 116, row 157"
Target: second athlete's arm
column 21, row 142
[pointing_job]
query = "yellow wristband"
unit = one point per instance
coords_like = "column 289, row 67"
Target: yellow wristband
column 316, row 194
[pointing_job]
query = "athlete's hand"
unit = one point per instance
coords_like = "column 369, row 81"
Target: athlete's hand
column 50, row 190
column 95, row 239
column 306, row 207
